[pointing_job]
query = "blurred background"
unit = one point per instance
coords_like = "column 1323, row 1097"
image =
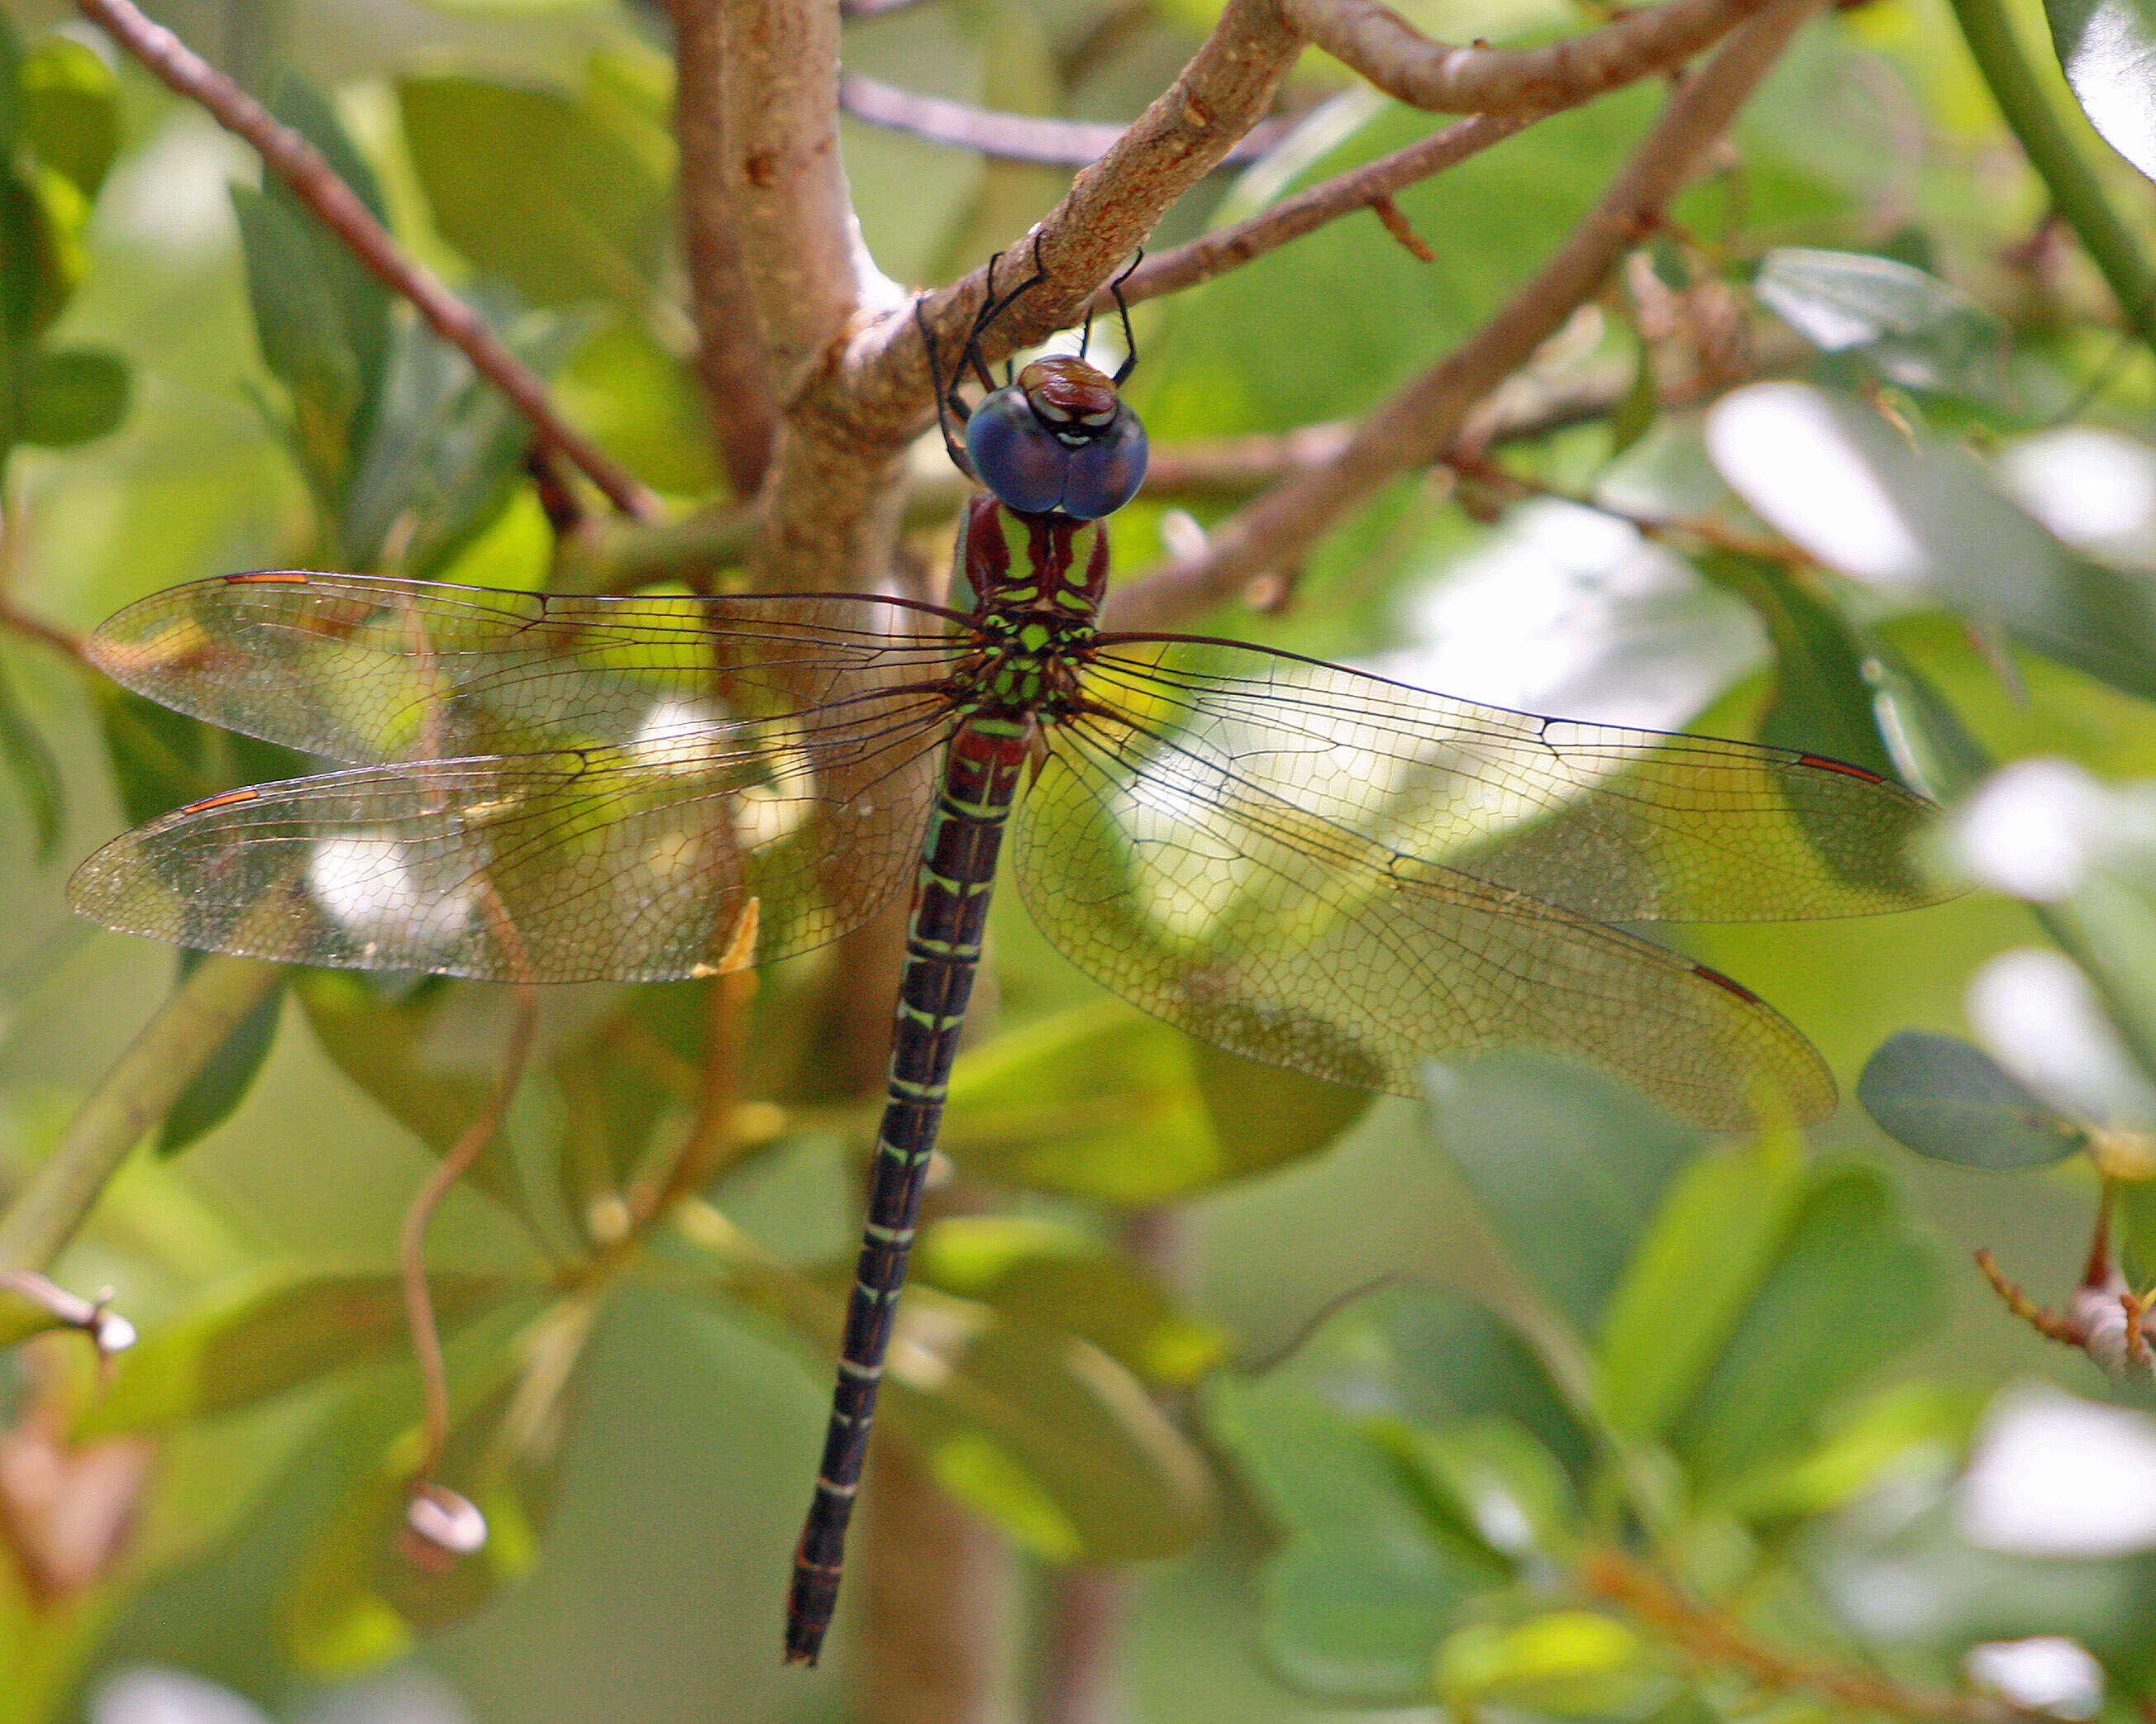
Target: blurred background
column 1517, row 1400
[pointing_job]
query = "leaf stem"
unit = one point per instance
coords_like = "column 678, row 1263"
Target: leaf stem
column 145, row 1081
column 2032, row 116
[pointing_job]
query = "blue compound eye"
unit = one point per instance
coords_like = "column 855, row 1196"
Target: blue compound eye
column 1018, row 458
column 1058, row 440
column 1106, row 471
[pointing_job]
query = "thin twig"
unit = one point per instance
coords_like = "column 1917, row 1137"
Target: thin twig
column 1714, row 1640
column 1398, row 60
column 412, row 1238
column 1007, row 138
column 1419, row 423
column 18, row 621
column 301, row 167
column 1212, row 254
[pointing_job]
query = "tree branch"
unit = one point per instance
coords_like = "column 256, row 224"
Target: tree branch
column 1417, row 425
column 1398, row 58
column 729, row 361
column 301, row 167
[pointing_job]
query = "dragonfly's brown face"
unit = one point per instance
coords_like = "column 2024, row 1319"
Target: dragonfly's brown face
column 1068, row 391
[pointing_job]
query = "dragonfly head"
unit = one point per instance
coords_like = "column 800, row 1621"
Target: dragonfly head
column 1059, row 440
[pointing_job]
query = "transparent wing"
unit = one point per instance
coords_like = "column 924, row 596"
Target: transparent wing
column 1298, row 864
column 372, row 670
column 1619, row 824
column 704, row 849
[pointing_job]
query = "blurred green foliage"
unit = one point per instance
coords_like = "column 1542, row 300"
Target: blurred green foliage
column 1524, row 1401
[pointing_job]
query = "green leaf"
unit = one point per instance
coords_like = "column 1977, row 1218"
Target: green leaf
column 1928, row 518
column 30, row 762
column 162, row 760
column 72, row 395
column 1042, row 1432
column 1065, row 1282
column 592, row 225
column 367, row 1588
column 11, row 87
column 1695, row 1272
column 1911, row 327
column 391, row 1046
column 1947, row 1099
column 1823, row 699
column 1849, row 1289
column 1103, row 1103
column 70, row 111
column 299, row 326
column 226, row 1076
column 1486, row 1481
column 2107, row 50
column 270, row 1333
column 446, row 451
column 1564, row 1664
column 1569, row 1165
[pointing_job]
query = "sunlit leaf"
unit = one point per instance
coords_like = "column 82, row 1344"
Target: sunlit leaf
column 1947, row 1099
column 2107, row 48
column 1063, row 1282
column 1686, row 1289
column 1915, row 329
column 593, row 227
column 1566, row 1663
column 71, row 112
column 1103, row 1103
column 1849, row 1289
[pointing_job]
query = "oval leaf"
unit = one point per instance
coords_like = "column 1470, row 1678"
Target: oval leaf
column 2107, row 50
column 1951, row 1101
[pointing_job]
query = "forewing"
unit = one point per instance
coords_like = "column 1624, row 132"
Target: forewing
column 374, row 670
column 1619, row 824
column 718, row 850
column 1178, row 875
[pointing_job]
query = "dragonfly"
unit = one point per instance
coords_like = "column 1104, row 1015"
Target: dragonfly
column 1297, row 861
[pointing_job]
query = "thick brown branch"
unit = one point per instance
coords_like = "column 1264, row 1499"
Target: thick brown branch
column 1416, row 426
column 1384, row 47
column 802, row 255
column 301, row 167
column 1008, row 137
column 730, row 360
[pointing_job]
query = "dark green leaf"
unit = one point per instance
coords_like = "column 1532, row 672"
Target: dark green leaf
column 1849, row 1289
column 11, row 88
column 1042, row 1432
column 299, row 326
column 30, row 762
column 1946, row 1099
column 162, row 760
column 446, row 452
column 593, row 226
column 1065, row 1282
column 1570, row 1166
column 1823, row 700
column 2107, row 48
column 274, row 1333
column 70, row 111
column 73, row 395
column 227, row 1075
column 1914, row 328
